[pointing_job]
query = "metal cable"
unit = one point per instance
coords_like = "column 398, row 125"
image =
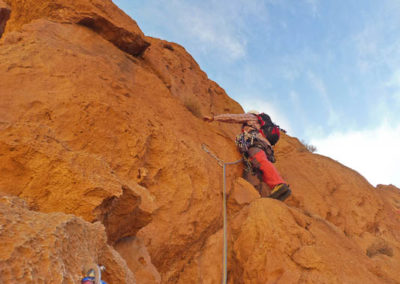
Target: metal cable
column 225, row 252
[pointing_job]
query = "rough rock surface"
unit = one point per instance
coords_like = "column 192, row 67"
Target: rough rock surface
column 103, row 17
column 4, row 16
column 52, row 248
column 100, row 121
column 138, row 259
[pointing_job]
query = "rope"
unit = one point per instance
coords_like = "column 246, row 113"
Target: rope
column 225, row 252
column 220, row 162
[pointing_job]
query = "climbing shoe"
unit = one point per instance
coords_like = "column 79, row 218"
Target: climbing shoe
column 285, row 195
column 280, row 192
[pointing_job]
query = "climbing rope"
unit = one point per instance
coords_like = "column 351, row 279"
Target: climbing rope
column 225, row 252
column 220, row 162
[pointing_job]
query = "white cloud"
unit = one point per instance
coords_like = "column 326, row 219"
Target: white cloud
column 297, row 106
column 394, row 84
column 213, row 31
column 314, row 5
column 272, row 109
column 394, row 81
column 212, row 27
column 290, row 71
column 319, row 86
column 396, row 96
column 375, row 44
column 367, row 41
column 373, row 153
column 294, row 97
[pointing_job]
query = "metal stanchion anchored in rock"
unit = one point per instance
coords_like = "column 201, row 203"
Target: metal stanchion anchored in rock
column 93, row 274
column 223, row 165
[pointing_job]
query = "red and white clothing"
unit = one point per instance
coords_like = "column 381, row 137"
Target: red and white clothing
column 256, row 155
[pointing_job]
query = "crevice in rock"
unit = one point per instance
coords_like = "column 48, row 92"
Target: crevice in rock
column 137, row 258
column 190, row 253
column 168, row 46
column 156, row 72
column 123, row 39
column 122, row 216
column 379, row 247
column 5, row 13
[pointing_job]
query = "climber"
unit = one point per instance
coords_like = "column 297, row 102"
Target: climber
column 93, row 274
column 259, row 135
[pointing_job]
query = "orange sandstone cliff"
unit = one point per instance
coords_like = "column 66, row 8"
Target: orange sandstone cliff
column 101, row 161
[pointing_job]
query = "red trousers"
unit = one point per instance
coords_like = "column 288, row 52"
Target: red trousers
column 259, row 160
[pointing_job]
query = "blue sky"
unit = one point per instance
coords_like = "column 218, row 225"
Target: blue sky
column 327, row 71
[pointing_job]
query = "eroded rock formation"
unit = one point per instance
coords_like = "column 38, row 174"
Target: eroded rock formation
column 99, row 121
column 103, row 17
column 4, row 16
column 52, row 248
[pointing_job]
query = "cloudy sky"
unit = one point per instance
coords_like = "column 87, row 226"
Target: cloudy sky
column 328, row 71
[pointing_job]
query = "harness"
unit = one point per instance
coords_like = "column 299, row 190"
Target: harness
column 247, row 139
column 250, row 138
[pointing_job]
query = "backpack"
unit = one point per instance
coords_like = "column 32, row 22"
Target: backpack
column 270, row 130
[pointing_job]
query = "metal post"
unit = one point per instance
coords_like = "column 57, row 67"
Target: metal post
column 225, row 252
column 225, row 266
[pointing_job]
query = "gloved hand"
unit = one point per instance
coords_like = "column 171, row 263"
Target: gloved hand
column 208, row 118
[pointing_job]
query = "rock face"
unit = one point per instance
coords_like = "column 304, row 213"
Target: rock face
column 99, row 121
column 52, row 248
column 4, row 16
column 103, row 17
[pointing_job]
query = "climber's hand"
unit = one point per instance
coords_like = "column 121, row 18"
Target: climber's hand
column 208, row 118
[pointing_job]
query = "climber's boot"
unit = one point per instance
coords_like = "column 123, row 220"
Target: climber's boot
column 284, row 196
column 280, row 192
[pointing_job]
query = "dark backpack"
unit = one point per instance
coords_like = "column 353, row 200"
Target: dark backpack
column 270, row 130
